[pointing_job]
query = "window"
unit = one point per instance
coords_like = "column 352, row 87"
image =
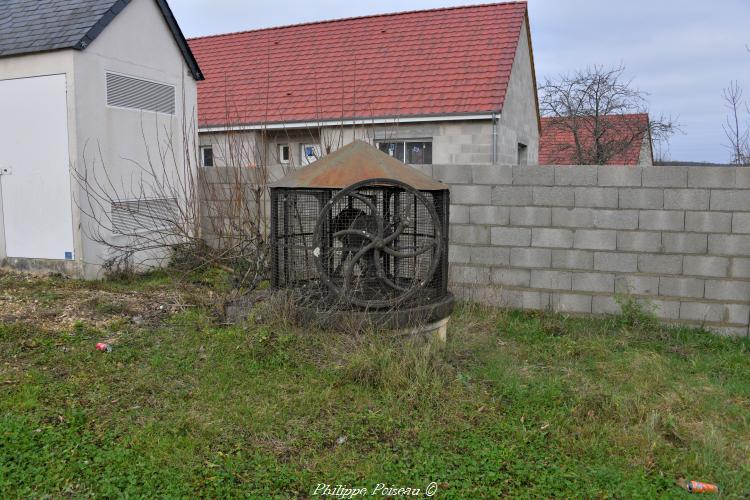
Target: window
column 135, row 93
column 207, row 156
column 309, row 153
column 284, row 153
column 523, row 152
column 409, row 151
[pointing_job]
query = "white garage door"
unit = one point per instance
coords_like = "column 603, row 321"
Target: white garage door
column 34, row 162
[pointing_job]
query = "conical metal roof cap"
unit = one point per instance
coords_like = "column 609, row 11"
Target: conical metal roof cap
column 356, row 162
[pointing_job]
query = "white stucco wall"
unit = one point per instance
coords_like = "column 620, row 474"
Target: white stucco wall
column 137, row 43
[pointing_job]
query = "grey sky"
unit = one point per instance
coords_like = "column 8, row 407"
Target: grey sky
column 682, row 52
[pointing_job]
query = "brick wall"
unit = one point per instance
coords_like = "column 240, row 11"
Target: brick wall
column 571, row 238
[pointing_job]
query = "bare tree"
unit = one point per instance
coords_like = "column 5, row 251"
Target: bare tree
column 585, row 105
column 737, row 133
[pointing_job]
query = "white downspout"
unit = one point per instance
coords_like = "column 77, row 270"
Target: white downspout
column 494, row 138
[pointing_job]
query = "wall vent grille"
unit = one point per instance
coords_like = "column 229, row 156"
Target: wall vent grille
column 137, row 216
column 134, row 93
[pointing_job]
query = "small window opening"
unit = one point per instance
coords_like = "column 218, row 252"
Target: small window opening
column 523, row 153
column 310, row 153
column 207, row 156
column 284, row 153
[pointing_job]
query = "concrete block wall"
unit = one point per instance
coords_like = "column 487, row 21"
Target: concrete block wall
column 228, row 199
column 571, row 238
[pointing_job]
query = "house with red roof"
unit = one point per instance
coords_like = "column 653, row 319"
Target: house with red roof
column 623, row 139
column 451, row 85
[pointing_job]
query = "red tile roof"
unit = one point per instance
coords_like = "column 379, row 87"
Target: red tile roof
column 557, row 143
column 431, row 62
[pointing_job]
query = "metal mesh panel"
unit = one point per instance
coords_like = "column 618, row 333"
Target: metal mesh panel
column 294, row 214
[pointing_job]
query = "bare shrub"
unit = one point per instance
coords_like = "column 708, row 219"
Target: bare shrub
column 736, row 132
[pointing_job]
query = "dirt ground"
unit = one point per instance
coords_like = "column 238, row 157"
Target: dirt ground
column 53, row 302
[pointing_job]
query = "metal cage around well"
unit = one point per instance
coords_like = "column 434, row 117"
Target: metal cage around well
column 359, row 229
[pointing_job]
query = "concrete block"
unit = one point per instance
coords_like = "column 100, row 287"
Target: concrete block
column 589, row 239
column 489, row 214
column 637, row 285
column 596, row 197
column 552, row 196
column 684, row 242
column 459, row 214
column 708, row 222
column 615, row 219
column 452, row 174
column 713, row 312
column 490, row 256
column 729, row 244
column 681, row 287
column 492, row 174
column 573, row 217
column 711, row 177
column 572, row 259
column 571, row 303
column 666, row 309
column 739, row 268
column 575, row 175
column 741, row 223
column 665, row 176
column 702, row 312
column 743, row 177
column 706, row 266
column 511, row 236
column 530, row 216
column 511, row 277
column 554, row 280
column 621, row 262
column 534, row 175
column 639, row 241
column 425, row 169
column 552, row 238
column 530, row 257
column 593, row 282
column 523, row 299
column 736, row 313
column 641, row 198
column 489, row 295
column 510, row 195
column 660, row 264
column 734, row 200
column 476, row 235
column 686, row 199
column 471, row 195
column 605, row 305
column 661, row 220
column 459, row 254
column 619, row 176
column 728, row 290
column 470, row 275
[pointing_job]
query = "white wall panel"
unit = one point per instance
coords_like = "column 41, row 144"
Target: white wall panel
column 36, row 196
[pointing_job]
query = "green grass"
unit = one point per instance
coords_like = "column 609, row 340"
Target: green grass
column 519, row 404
